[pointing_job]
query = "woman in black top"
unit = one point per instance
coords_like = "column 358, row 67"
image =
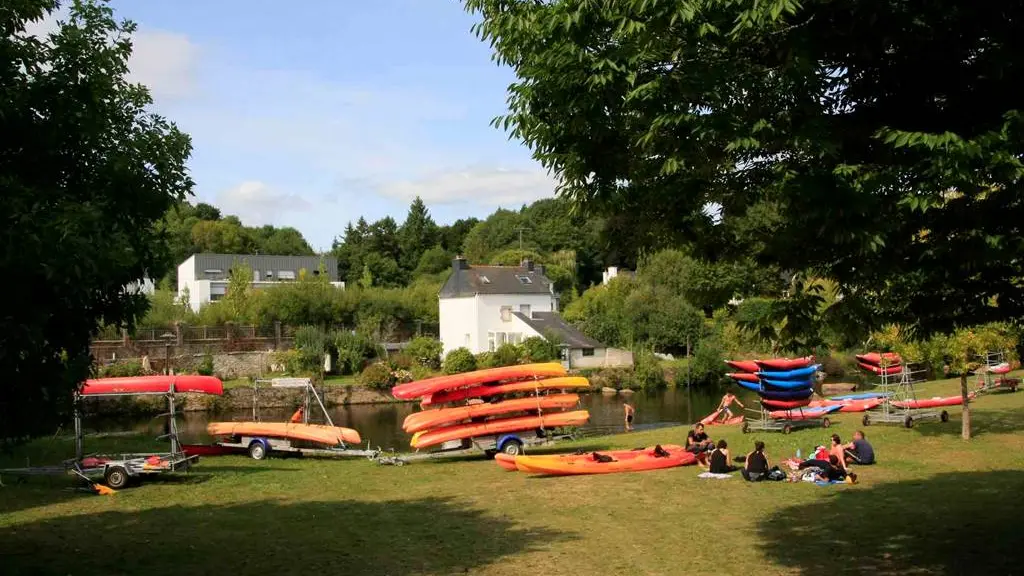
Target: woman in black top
column 719, row 460
column 756, row 467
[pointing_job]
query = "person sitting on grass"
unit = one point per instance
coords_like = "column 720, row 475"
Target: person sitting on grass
column 756, row 467
column 719, row 459
column 859, row 451
column 697, row 441
column 836, row 451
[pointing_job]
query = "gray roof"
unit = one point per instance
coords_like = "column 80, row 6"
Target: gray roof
column 265, row 263
column 544, row 322
column 495, row 280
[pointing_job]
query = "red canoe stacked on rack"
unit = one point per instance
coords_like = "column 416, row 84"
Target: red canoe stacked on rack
column 150, row 385
column 537, row 410
column 887, row 363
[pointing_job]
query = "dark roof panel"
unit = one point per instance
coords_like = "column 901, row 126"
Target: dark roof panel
column 544, row 322
column 495, row 280
column 265, row 262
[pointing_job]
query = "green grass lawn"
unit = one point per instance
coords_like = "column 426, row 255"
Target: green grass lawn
column 934, row 504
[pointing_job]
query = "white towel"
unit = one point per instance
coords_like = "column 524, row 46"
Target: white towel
column 715, row 476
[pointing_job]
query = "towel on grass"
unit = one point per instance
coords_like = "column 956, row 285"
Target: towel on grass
column 715, row 476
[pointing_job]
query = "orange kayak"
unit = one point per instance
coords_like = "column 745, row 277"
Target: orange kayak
column 564, row 382
column 933, row 402
column 317, row 433
column 461, row 431
column 613, row 461
column 506, row 461
column 433, row 418
column 439, row 383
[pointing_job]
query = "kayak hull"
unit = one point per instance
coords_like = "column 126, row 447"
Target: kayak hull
column 436, row 436
column 785, row 404
column 622, row 461
column 788, row 384
column 930, row 402
column 420, row 388
column 506, row 461
column 876, row 358
column 888, row 370
column 483, row 391
column 777, row 394
column 712, row 419
column 159, row 384
column 315, row 433
column 779, row 364
column 796, row 374
column 849, row 405
column 434, row 418
column 209, row 450
column 803, row 413
column 748, row 366
column 744, row 376
column 861, row 396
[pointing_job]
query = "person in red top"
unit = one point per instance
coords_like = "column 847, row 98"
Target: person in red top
column 297, row 416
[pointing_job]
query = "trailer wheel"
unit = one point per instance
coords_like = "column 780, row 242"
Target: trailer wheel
column 825, row 422
column 116, row 477
column 257, row 450
column 909, row 422
column 866, row 420
column 787, row 429
column 944, row 416
column 512, row 447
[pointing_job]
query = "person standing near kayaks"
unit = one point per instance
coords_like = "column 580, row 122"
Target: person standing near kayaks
column 727, row 401
column 629, row 410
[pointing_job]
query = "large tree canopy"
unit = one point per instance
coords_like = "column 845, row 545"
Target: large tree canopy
column 86, row 173
column 877, row 143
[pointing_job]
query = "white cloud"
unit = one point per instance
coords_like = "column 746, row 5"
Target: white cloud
column 165, row 62
column 487, row 187
column 257, row 204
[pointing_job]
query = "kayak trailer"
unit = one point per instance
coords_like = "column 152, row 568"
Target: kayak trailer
column 118, row 470
column 765, row 423
column 513, row 444
column 900, row 387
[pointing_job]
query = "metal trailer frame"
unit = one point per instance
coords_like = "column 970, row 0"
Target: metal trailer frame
column 988, row 382
column 511, row 443
column 117, row 470
column 765, row 423
column 901, row 388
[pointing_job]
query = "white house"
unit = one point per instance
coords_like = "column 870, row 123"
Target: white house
column 483, row 307
column 613, row 272
column 204, row 277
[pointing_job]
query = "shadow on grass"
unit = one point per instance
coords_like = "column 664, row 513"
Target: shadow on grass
column 957, row 523
column 983, row 422
column 269, row 537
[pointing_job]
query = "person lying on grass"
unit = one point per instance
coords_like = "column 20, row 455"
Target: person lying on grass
column 859, row 451
column 824, row 471
column 697, row 441
column 756, row 466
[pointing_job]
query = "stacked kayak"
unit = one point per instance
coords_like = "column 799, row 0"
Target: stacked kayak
column 851, row 405
column 545, row 404
column 783, row 384
column 881, row 364
column 638, row 460
column 320, row 434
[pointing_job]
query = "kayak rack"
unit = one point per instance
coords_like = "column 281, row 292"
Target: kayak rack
column 900, row 387
column 989, row 381
column 765, row 422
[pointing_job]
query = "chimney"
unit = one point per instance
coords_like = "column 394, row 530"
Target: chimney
column 528, row 264
column 459, row 263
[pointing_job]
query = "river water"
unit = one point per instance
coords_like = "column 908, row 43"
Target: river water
column 381, row 424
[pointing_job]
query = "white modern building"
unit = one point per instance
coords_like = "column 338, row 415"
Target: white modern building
column 483, row 307
column 204, row 278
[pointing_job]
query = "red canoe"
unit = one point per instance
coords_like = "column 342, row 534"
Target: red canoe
column 439, row 383
column 490, row 427
column 744, row 376
column 849, row 405
column 786, row 363
column 483, row 391
column 932, row 402
column 161, row 384
column 209, row 450
column 785, row 404
column 434, row 418
column 876, row 358
column 744, row 365
column 888, row 370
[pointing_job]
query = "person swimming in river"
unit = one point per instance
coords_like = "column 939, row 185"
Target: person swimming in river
column 727, row 401
column 629, row 411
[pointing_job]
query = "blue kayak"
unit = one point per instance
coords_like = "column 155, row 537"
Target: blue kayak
column 797, row 374
column 786, row 394
column 861, row 396
column 817, row 412
column 787, row 384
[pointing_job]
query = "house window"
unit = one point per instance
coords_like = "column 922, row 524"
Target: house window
column 588, row 351
column 212, row 271
column 286, row 274
column 506, row 313
column 270, row 274
column 491, row 342
column 525, row 309
column 515, row 337
column 214, row 297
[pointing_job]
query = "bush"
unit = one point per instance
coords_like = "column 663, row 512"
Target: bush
column 618, row 378
column 537, row 349
column 458, row 361
column 205, row 366
column 377, row 376
column 401, row 376
column 402, row 362
column 311, row 344
column 507, row 355
column 352, row 351
column 486, row 360
column 707, row 367
column 421, row 372
column 290, row 360
column 425, row 351
column 121, row 369
column 648, row 372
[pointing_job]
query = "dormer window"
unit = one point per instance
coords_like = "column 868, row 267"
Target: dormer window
column 525, row 280
column 485, row 279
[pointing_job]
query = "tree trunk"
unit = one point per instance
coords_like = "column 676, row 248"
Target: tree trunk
column 965, row 420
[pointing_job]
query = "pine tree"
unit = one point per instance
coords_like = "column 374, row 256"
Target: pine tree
column 418, row 234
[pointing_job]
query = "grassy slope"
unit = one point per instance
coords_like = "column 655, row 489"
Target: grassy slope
column 935, row 504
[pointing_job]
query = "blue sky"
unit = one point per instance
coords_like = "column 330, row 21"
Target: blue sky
column 317, row 114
